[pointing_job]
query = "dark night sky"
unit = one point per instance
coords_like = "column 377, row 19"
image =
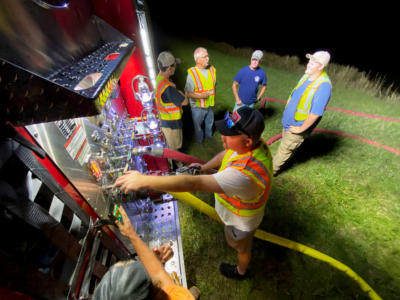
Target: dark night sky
column 364, row 37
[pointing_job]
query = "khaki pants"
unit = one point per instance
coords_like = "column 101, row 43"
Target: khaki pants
column 289, row 143
column 174, row 137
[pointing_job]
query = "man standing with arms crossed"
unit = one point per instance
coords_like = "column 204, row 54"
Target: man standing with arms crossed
column 200, row 88
column 248, row 79
column 169, row 101
column 305, row 107
column 241, row 186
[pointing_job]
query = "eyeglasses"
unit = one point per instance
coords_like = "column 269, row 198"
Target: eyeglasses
column 230, row 123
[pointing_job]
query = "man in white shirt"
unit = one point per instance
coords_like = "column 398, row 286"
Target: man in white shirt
column 241, row 186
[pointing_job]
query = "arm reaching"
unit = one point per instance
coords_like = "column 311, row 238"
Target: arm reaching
column 134, row 181
column 149, row 260
column 214, row 163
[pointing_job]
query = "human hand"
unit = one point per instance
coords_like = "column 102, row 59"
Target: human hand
column 295, row 129
column 124, row 226
column 207, row 94
column 196, row 165
column 164, row 252
column 130, row 181
column 238, row 101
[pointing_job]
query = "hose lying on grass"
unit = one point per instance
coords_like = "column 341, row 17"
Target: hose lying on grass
column 210, row 211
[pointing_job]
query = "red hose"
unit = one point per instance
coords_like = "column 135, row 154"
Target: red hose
column 359, row 138
column 274, row 139
column 278, row 136
column 188, row 159
column 179, row 156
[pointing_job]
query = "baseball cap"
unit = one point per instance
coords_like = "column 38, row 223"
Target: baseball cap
column 258, row 55
column 123, row 281
column 166, row 59
column 322, row 57
column 245, row 120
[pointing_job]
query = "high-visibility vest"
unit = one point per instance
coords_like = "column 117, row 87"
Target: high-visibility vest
column 204, row 85
column 304, row 105
column 168, row 111
column 257, row 165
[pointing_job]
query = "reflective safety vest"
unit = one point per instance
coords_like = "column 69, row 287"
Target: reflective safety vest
column 304, row 105
column 204, row 85
column 168, row 111
column 257, row 165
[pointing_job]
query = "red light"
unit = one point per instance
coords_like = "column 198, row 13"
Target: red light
column 95, row 169
column 112, row 56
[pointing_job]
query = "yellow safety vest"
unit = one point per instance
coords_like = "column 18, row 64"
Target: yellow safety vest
column 204, row 85
column 168, row 111
column 304, row 105
column 257, row 165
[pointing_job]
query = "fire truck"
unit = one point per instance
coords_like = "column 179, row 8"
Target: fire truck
column 77, row 110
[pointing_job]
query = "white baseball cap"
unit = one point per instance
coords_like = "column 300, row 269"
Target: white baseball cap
column 322, row 57
column 258, row 55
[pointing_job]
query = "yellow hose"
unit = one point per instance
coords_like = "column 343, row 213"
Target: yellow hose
column 269, row 237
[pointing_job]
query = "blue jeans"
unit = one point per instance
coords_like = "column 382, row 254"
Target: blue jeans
column 237, row 106
column 200, row 115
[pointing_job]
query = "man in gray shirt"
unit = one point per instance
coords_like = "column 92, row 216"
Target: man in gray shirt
column 200, row 89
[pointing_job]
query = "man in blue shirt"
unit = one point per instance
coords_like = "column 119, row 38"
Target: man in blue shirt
column 305, row 107
column 248, row 79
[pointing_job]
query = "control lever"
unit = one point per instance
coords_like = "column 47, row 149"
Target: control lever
column 136, row 194
column 122, row 146
column 114, row 216
column 114, row 172
column 152, row 150
column 103, row 222
column 120, row 157
column 193, row 170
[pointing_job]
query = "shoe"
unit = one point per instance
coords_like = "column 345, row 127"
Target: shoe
column 231, row 271
column 194, row 290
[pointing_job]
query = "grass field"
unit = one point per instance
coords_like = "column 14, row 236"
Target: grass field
column 339, row 195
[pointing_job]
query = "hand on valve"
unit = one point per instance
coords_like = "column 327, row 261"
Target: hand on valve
column 163, row 253
column 130, row 181
column 196, row 165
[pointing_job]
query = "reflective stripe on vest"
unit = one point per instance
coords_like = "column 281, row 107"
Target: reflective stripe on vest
column 168, row 111
column 304, row 105
column 257, row 165
column 203, row 85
